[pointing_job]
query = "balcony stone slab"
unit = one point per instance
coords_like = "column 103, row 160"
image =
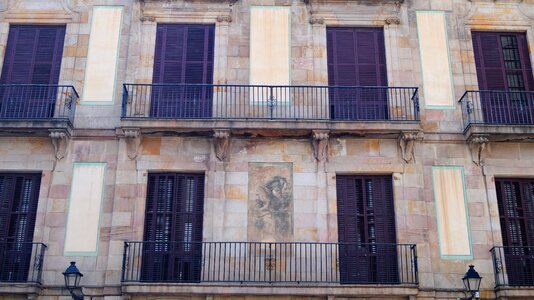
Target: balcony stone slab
column 516, row 292
column 336, row 290
column 24, row 127
column 18, row 289
column 269, row 128
column 497, row 132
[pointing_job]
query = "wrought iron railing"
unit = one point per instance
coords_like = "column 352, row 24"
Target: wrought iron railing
column 513, row 266
column 21, row 261
column 37, row 101
column 497, row 107
column 211, row 101
column 263, row 262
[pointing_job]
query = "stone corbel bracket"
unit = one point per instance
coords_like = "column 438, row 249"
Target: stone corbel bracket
column 221, row 141
column 407, row 145
column 60, row 141
column 320, row 144
column 316, row 20
column 392, row 21
column 477, row 145
column 224, row 19
column 133, row 139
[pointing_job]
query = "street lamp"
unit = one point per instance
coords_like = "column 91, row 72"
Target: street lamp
column 72, row 281
column 472, row 281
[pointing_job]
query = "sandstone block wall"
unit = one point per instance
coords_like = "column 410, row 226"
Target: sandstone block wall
column 95, row 137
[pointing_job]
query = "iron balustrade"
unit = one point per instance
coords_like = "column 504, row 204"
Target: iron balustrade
column 37, row 101
column 21, row 261
column 497, row 107
column 264, row 262
column 513, row 266
column 212, row 101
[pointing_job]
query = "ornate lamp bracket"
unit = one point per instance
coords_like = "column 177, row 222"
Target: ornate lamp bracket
column 477, row 145
column 221, row 141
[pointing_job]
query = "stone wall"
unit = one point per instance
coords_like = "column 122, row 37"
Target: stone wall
column 314, row 183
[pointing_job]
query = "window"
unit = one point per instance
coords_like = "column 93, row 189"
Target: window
column 516, row 210
column 173, row 227
column 33, row 56
column 503, row 64
column 356, row 57
column 366, row 229
column 183, row 57
column 18, row 207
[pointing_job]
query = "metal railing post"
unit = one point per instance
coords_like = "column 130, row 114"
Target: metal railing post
column 125, row 262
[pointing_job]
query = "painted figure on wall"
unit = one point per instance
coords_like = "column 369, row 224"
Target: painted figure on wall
column 271, row 203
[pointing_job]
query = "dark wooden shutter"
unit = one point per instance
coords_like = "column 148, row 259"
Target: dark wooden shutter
column 173, row 227
column 183, row 55
column 33, row 56
column 19, row 195
column 366, row 229
column 503, row 64
column 489, row 62
column 356, row 57
column 515, row 199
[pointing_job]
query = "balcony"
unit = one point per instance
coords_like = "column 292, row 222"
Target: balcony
column 514, row 271
column 36, row 108
column 182, row 266
column 501, row 115
column 204, row 107
column 513, row 266
column 21, row 267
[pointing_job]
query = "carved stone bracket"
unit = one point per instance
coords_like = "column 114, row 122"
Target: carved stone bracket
column 407, row 145
column 133, row 141
column 147, row 19
column 320, row 144
column 224, row 19
column 316, row 20
column 60, row 141
column 392, row 21
column 221, row 141
column 477, row 145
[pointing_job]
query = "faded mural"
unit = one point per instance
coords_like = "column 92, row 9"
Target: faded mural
column 270, row 202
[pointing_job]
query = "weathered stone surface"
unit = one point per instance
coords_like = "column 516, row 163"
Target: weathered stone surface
column 228, row 192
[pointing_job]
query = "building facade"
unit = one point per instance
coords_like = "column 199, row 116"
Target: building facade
column 277, row 149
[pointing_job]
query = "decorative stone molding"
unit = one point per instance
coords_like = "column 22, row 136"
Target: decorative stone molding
column 477, row 145
column 133, row 141
column 147, row 19
column 320, row 144
column 60, row 141
column 392, row 21
column 407, row 145
column 512, row 13
column 28, row 11
column 181, row 11
column 221, row 141
column 316, row 20
column 362, row 12
column 224, row 19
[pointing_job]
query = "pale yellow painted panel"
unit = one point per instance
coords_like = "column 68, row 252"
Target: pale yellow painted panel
column 101, row 66
column 451, row 212
column 84, row 208
column 269, row 45
column 437, row 82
